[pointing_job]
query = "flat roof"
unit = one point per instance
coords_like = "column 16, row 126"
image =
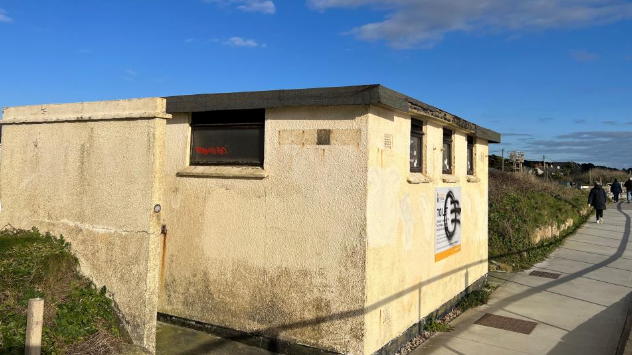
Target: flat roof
column 332, row 96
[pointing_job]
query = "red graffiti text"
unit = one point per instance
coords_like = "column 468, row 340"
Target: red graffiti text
column 212, row 150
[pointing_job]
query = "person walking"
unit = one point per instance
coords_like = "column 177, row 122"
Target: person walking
column 597, row 198
column 616, row 190
column 628, row 188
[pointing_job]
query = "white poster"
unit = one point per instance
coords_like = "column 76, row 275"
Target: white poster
column 448, row 222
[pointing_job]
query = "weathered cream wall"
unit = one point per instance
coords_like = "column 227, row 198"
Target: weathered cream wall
column 404, row 283
column 77, row 170
column 283, row 255
column 329, row 246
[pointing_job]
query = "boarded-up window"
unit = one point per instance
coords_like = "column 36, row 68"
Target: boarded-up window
column 470, row 155
column 447, row 151
column 232, row 137
column 416, row 146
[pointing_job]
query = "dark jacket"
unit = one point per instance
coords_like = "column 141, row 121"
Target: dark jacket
column 616, row 187
column 597, row 198
column 628, row 185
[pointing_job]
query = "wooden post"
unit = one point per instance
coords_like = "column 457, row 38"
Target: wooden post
column 34, row 323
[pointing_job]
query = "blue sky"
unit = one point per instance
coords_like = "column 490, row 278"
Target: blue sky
column 555, row 77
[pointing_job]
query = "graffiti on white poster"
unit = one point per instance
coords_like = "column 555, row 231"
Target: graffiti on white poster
column 448, row 222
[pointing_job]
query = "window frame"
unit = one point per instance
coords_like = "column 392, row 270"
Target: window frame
column 417, row 132
column 471, row 150
column 227, row 120
column 450, row 142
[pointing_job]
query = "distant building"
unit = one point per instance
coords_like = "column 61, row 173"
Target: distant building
column 332, row 219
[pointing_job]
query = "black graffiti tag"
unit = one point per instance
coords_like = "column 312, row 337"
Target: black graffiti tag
column 452, row 218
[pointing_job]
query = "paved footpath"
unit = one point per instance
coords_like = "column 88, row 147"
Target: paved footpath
column 581, row 312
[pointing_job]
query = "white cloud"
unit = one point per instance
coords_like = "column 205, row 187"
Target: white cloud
column 412, row 23
column 263, row 6
column 131, row 72
column 4, row 17
column 583, row 56
column 189, row 40
column 241, row 42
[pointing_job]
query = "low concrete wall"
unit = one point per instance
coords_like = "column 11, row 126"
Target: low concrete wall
column 89, row 172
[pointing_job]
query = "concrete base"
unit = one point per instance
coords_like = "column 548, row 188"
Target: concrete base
column 255, row 340
column 174, row 340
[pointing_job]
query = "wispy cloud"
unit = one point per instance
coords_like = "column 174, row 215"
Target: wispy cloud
column 584, row 56
column 4, row 17
column 413, row 23
column 579, row 121
column 610, row 123
column 242, row 42
column 189, row 40
column 262, row 6
column 130, row 74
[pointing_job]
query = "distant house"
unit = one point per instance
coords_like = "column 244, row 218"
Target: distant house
column 328, row 220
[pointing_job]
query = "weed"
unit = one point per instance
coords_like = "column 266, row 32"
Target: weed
column 433, row 325
column 474, row 299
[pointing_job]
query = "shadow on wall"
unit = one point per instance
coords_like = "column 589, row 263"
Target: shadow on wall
column 216, row 344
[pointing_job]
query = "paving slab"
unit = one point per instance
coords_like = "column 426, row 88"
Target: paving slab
column 174, row 340
column 583, row 312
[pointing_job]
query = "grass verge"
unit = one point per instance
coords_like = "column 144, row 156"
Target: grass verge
column 518, row 205
column 78, row 318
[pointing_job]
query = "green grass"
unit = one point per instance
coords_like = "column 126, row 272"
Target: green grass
column 518, row 205
column 76, row 314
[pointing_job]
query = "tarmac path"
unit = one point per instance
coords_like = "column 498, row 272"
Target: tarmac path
column 583, row 311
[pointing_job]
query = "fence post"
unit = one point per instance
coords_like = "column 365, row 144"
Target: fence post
column 34, row 323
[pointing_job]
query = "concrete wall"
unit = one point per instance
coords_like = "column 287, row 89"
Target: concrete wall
column 404, row 283
column 90, row 172
column 282, row 255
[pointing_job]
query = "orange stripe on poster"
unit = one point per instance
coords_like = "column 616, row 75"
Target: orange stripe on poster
column 444, row 254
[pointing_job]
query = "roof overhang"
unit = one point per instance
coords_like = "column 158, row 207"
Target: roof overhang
column 347, row 95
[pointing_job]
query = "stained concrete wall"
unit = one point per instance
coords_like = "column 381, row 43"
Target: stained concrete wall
column 92, row 172
column 404, row 283
column 282, row 255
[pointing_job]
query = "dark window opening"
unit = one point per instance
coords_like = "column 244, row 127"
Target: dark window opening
column 231, row 137
column 447, row 151
column 416, row 146
column 470, row 155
